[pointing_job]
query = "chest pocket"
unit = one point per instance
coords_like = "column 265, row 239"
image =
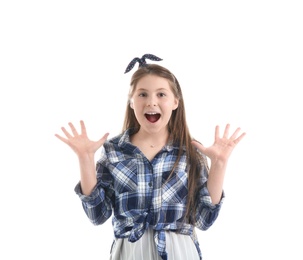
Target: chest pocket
column 175, row 189
column 125, row 176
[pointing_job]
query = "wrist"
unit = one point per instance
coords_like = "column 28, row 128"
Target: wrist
column 218, row 163
column 86, row 157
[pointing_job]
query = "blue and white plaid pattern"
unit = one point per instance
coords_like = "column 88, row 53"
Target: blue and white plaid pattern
column 138, row 192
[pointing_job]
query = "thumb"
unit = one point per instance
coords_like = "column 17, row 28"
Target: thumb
column 102, row 140
column 198, row 145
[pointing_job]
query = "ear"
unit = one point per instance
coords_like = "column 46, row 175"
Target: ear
column 176, row 104
column 131, row 104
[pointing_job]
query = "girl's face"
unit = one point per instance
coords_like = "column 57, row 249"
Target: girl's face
column 153, row 102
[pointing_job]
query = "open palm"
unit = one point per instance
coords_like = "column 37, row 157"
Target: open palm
column 222, row 146
column 79, row 142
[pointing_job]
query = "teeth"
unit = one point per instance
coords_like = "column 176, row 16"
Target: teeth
column 151, row 113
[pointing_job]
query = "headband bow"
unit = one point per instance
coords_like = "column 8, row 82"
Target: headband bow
column 141, row 61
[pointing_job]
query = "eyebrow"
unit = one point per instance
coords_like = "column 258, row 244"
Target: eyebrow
column 159, row 89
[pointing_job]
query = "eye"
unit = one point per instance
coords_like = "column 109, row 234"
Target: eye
column 143, row 94
column 162, row 94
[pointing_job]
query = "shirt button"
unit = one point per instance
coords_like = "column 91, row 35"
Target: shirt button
column 150, row 184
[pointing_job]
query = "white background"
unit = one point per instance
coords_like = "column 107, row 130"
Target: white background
column 238, row 62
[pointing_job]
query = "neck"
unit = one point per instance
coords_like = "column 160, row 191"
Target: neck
column 152, row 140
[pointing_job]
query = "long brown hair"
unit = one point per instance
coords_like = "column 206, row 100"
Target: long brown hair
column 178, row 131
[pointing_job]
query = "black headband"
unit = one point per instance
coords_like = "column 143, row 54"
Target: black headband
column 141, row 61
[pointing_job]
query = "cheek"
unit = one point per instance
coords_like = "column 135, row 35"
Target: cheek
column 169, row 107
column 134, row 104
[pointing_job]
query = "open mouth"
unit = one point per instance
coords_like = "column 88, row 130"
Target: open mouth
column 152, row 117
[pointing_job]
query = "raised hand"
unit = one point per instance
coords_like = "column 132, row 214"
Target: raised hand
column 79, row 142
column 222, row 146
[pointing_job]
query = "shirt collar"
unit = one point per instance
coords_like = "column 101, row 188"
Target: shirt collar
column 124, row 142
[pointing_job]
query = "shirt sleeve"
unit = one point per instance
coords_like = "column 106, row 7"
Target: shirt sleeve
column 206, row 212
column 98, row 205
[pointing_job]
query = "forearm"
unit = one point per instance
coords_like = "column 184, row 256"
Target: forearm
column 88, row 177
column 215, row 180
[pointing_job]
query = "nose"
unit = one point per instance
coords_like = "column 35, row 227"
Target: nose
column 151, row 101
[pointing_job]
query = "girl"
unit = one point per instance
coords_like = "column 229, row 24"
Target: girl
column 154, row 176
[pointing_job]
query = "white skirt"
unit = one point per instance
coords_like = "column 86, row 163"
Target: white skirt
column 178, row 247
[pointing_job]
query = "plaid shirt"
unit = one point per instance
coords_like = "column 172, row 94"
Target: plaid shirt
column 138, row 193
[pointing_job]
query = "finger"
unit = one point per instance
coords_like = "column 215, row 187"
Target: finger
column 236, row 141
column 68, row 135
column 61, row 138
column 198, row 145
column 217, row 133
column 226, row 131
column 235, row 134
column 83, row 128
column 74, row 131
column 103, row 139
